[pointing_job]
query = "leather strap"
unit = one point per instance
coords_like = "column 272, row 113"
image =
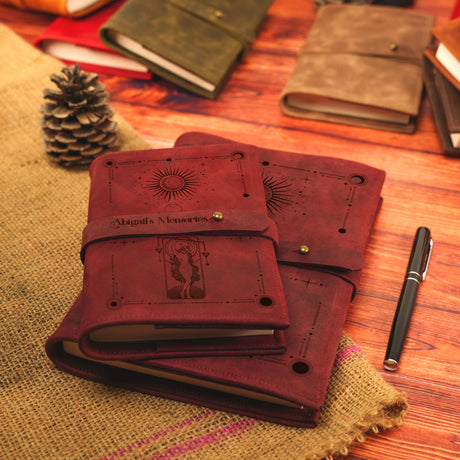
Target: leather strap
column 235, row 223
column 237, row 18
column 336, row 258
column 343, row 262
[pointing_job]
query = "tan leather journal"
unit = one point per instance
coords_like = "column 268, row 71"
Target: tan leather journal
column 361, row 65
column 445, row 56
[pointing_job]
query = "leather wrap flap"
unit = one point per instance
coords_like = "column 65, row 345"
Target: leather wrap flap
column 239, row 18
column 233, row 222
column 335, row 258
column 371, row 31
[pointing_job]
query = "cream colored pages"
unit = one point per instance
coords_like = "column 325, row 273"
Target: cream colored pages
column 324, row 104
column 73, row 349
column 138, row 49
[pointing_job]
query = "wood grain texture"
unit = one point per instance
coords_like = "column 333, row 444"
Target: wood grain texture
column 422, row 188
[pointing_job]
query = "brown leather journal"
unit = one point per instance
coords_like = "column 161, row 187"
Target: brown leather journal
column 445, row 106
column 178, row 246
column 360, row 65
column 446, row 54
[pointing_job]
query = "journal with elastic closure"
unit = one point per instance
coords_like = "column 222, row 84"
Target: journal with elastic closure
column 324, row 209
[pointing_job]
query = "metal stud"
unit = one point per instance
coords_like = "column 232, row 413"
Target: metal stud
column 303, row 249
column 393, row 46
column 217, row 216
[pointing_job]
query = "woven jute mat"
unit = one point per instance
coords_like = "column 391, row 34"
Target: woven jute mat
column 46, row 413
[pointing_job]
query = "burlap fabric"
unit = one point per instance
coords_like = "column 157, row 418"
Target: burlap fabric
column 46, row 413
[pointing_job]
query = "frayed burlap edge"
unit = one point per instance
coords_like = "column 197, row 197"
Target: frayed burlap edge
column 387, row 411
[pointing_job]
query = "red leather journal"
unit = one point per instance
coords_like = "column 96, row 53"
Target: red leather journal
column 178, row 246
column 325, row 210
column 288, row 388
column 323, row 207
column 75, row 40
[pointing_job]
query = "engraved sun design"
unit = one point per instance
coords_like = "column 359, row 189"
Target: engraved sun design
column 276, row 193
column 172, row 183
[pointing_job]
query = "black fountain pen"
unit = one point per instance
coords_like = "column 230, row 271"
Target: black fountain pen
column 416, row 271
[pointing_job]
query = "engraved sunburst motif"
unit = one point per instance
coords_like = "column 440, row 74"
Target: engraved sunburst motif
column 172, row 183
column 277, row 193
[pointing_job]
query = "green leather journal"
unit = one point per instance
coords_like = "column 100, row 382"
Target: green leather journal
column 193, row 43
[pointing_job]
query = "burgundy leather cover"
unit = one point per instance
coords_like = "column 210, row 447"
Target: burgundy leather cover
column 153, row 253
column 327, row 204
column 293, row 375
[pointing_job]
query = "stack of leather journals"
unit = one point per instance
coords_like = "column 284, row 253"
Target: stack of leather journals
column 442, row 80
column 220, row 274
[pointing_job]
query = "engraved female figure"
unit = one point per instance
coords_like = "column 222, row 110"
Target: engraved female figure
column 183, row 267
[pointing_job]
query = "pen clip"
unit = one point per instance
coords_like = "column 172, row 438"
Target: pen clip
column 428, row 256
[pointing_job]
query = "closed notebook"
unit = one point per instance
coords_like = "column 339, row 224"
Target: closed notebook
column 360, row 65
column 75, row 40
column 446, row 54
column 178, row 246
column 192, row 43
column 74, row 8
column 450, row 99
column 445, row 105
column 328, row 204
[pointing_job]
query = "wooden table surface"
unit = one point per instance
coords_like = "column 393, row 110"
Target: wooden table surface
column 422, row 189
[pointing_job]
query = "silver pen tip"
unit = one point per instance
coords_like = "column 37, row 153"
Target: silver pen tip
column 390, row 365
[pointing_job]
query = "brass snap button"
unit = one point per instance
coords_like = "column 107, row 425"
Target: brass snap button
column 303, row 249
column 217, row 216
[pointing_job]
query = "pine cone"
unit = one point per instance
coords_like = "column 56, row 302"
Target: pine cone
column 76, row 122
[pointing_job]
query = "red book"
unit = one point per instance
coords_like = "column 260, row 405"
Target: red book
column 179, row 247
column 75, row 40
